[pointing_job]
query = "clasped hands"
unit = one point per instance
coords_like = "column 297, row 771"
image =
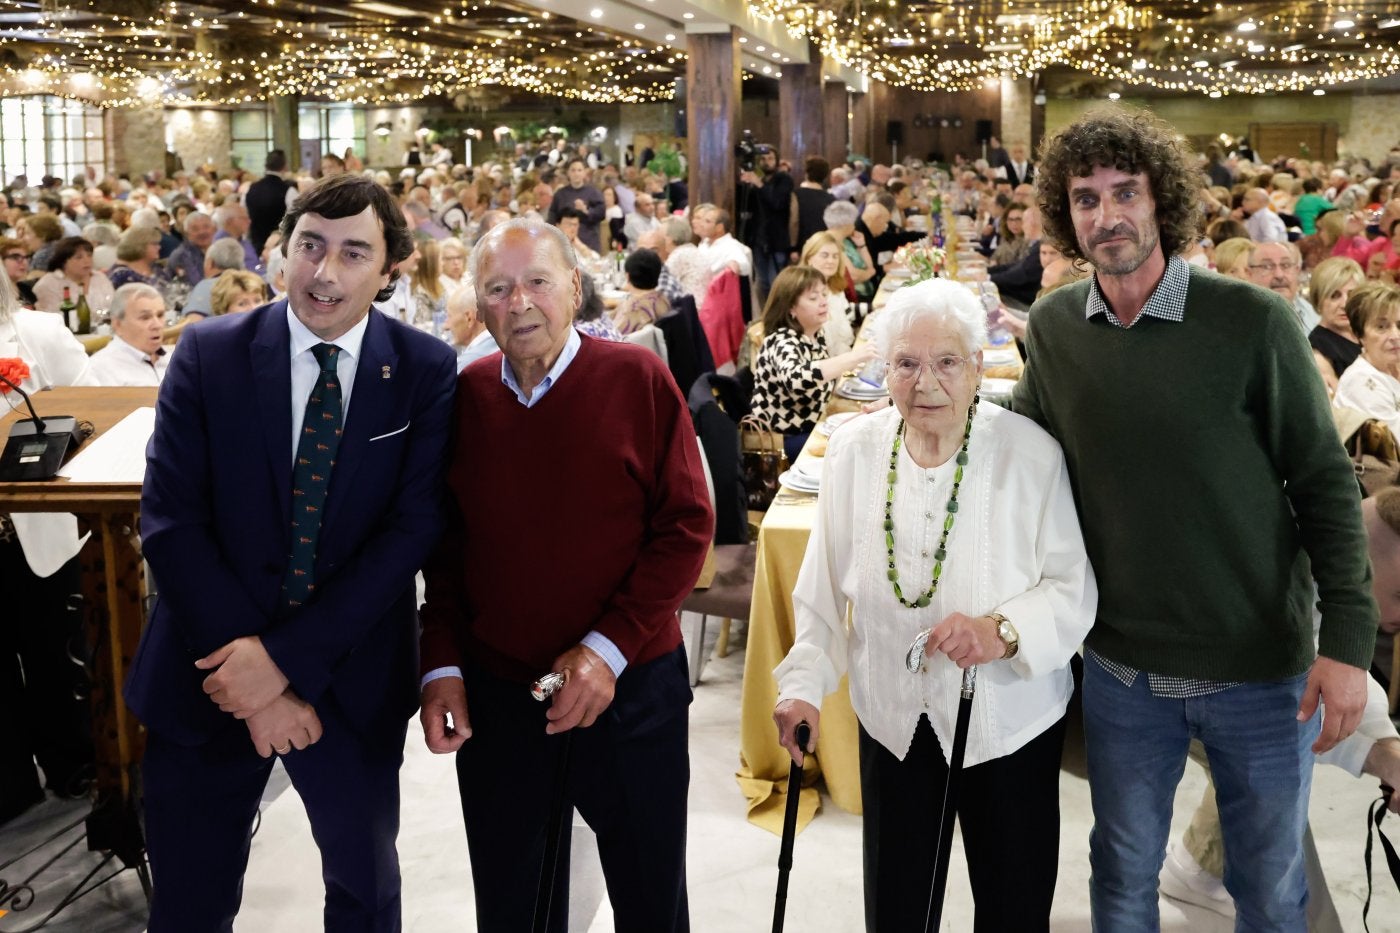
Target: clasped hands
column 586, row 694
column 247, row 683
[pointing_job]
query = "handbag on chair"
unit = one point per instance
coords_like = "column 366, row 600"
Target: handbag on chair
column 764, row 460
column 1375, row 455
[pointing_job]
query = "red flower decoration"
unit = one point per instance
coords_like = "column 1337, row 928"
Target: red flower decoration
column 14, row 369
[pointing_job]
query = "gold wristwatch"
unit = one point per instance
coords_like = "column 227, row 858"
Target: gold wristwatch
column 1007, row 633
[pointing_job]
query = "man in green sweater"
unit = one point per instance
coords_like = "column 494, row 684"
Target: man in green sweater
column 1213, row 491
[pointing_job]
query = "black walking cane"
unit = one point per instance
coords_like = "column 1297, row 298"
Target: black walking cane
column 950, row 802
column 542, row 690
column 803, row 732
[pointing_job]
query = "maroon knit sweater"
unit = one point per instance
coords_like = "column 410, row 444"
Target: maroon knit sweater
column 587, row 511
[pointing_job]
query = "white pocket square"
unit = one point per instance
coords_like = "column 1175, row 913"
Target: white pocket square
column 390, row 434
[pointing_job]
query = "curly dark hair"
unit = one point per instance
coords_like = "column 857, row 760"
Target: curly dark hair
column 345, row 195
column 1131, row 141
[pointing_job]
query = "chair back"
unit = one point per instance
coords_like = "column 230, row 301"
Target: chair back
column 651, row 338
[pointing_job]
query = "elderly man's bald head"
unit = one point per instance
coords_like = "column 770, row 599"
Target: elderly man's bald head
column 654, row 240
column 1255, row 199
column 463, row 323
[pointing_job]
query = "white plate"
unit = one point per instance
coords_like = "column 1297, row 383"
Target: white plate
column 794, row 480
column 1001, row 356
column 855, row 389
column 612, row 294
column 835, row 421
column 998, row 388
column 809, row 468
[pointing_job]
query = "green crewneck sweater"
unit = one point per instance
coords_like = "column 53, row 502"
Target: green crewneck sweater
column 1207, row 472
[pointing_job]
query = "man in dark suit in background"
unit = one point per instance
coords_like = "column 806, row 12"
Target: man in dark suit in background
column 267, row 199
column 284, row 529
column 1020, row 169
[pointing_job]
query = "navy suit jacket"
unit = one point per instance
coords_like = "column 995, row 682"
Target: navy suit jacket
column 215, row 523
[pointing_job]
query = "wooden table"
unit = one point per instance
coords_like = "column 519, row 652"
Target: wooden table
column 113, row 595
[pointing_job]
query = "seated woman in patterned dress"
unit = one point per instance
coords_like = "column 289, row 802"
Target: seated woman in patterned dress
column 644, row 302
column 793, row 367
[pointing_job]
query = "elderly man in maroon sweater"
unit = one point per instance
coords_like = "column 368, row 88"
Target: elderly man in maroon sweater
column 579, row 520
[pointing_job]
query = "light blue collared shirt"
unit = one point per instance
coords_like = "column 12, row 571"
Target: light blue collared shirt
column 566, row 356
column 596, row 640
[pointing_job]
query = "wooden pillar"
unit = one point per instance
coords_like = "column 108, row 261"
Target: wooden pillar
column 834, row 102
column 713, row 100
column 801, row 111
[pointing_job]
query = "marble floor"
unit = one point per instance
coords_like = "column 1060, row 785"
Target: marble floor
column 732, row 865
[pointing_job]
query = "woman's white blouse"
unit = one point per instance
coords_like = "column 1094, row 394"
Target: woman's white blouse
column 1371, row 391
column 1015, row 548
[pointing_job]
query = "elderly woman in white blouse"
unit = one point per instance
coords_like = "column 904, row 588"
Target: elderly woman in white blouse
column 945, row 515
column 1372, row 383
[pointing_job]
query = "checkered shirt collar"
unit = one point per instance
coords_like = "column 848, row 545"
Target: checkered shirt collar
column 1168, row 300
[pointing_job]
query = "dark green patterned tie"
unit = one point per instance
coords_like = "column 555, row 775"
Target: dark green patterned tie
column 311, row 476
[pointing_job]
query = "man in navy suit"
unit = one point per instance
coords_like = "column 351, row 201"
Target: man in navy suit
column 284, row 525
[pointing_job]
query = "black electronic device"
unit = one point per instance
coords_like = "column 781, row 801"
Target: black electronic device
column 37, row 446
column 894, row 132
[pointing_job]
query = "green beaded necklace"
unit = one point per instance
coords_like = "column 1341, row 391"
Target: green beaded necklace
column 941, row 553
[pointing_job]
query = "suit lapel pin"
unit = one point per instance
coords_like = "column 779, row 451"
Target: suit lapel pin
column 385, row 372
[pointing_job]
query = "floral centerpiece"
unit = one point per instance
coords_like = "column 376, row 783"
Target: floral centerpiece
column 924, row 260
column 15, row 370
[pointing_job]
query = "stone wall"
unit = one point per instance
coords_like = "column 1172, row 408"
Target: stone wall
column 1016, row 98
column 136, row 140
column 1375, row 126
column 201, row 137
column 388, row 151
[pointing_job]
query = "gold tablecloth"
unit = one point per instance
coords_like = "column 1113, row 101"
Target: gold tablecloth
column 763, row 763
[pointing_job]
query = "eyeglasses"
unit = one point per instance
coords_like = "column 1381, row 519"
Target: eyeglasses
column 16, row 257
column 944, row 368
column 1286, row 266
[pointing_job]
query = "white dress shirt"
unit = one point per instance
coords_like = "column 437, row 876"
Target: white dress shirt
column 306, row 371
column 1265, row 226
column 1015, row 548
column 717, row 253
column 1371, row 391
column 121, row 364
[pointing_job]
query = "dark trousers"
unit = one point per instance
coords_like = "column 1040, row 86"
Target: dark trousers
column 43, row 689
column 200, row 804
column 1009, row 811
column 628, row 776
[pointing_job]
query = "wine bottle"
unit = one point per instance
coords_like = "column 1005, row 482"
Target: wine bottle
column 83, row 313
column 68, row 310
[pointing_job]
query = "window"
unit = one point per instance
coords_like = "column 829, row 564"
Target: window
column 46, row 135
column 335, row 127
column 251, row 132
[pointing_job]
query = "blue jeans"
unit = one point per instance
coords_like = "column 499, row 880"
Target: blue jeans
column 1262, row 760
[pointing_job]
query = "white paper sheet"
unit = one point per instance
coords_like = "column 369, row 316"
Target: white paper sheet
column 119, row 456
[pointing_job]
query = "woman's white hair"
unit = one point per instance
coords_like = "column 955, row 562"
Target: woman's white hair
column 941, row 299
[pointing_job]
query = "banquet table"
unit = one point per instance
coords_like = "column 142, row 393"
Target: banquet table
column 782, row 542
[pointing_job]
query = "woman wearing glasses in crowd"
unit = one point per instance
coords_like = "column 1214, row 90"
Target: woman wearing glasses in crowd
column 793, row 367
column 950, row 528
column 1371, row 384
